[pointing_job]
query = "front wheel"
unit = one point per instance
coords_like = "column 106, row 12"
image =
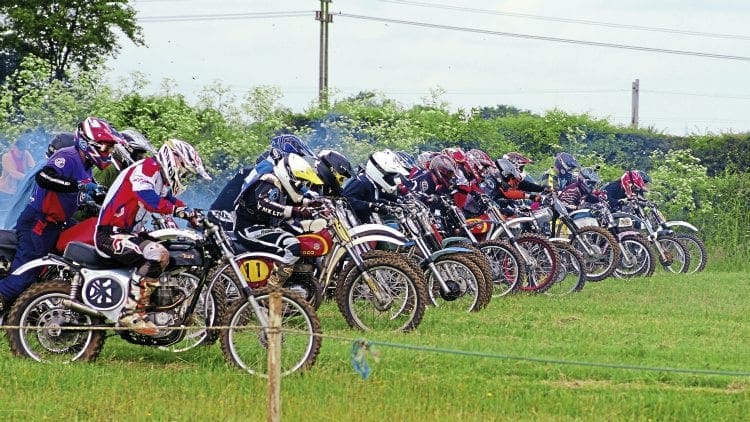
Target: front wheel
column 244, row 341
column 637, row 258
column 468, row 290
column 540, row 259
column 507, row 271
column 676, row 256
column 399, row 302
column 49, row 331
column 697, row 250
column 571, row 275
column 600, row 251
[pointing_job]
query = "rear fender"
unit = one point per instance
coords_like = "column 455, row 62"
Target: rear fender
column 47, row 261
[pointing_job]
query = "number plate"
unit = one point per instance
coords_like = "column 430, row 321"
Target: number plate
column 624, row 222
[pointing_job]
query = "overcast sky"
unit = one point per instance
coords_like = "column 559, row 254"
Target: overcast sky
column 680, row 93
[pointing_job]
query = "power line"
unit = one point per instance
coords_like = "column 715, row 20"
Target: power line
column 566, row 20
column 226, row 16
column 544, row 38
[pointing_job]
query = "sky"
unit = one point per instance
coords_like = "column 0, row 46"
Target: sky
column 487, row 60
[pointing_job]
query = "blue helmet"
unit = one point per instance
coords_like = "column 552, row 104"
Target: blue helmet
column 291, row 144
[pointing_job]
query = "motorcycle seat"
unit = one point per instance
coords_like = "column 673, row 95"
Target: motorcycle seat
column 87, row 256
column 8, row 239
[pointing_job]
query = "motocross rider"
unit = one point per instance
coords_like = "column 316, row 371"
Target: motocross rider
column 55, row 198
column 148, row 186
column 265, row 207
column 378, row 183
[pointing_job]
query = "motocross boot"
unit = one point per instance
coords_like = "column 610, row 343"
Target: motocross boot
column 280, row 275
column 135, row 310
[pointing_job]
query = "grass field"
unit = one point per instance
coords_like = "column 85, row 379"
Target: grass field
column 668, row 321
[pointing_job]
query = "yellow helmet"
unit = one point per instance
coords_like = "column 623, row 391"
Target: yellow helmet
column 296, row 175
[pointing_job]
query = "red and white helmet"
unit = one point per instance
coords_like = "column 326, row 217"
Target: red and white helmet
column 96, row 139
column 443, row 167
column 178, row 158
column 632, row 182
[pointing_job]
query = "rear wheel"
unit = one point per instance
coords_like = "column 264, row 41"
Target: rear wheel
column 51, row 332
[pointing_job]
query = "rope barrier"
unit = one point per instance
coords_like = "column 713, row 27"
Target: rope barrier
column 361, row 348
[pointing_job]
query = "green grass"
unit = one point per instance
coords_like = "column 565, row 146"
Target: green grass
column 696, row 322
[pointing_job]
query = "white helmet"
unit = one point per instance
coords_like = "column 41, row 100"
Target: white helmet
column 385, row 169
column 296, row 175
column 178, row 158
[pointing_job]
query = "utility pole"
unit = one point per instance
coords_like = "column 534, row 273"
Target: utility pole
column 634, row 107
column 325, row 18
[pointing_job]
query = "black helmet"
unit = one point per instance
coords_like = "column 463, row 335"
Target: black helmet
column 508, row 170
column 565, row 163
column 334, row 168
column 61, row 140
column 588, row 178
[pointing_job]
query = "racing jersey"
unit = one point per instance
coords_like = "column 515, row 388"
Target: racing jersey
column 56, row 193
column 137, row 191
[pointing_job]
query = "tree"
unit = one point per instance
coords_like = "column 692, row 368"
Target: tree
column 65, row 32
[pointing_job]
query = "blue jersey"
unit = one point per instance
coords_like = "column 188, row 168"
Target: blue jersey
column 58, row 207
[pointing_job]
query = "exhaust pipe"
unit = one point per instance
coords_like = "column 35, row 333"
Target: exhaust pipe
column 80, row 307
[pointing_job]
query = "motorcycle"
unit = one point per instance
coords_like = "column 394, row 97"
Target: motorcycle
column 66, row 318
column 637, row 257
column 451, row 273
column 599, row 248
column 674, row 255
column 372, row 292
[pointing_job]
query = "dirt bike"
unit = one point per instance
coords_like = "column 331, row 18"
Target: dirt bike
column 65, row 319
column 451, row 273
column 638, row 259
column 599, row 248
column 694, row 245
column 526, row 262
column 372, row 292
column 673, row 253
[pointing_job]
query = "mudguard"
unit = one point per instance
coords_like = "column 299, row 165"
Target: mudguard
column 169, row 234
column 47, row 261
column 559, row 239
column 583, row 212
column 449, row 250
column 623, row 234
column 453, row 239
column 680, row 223
column 517, row 221
column 376, row 229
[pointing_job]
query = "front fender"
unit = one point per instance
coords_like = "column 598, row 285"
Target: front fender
column 47, row 261
column 398, row 241
column 515, row 222
column 453, row 239
column 626, row 233
column 376, row 229
column 682, row 224
column 445, row 251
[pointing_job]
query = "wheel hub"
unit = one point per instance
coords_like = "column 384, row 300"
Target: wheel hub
column 454, row 292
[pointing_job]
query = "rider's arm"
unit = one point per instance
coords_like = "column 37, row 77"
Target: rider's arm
column 50, row 179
